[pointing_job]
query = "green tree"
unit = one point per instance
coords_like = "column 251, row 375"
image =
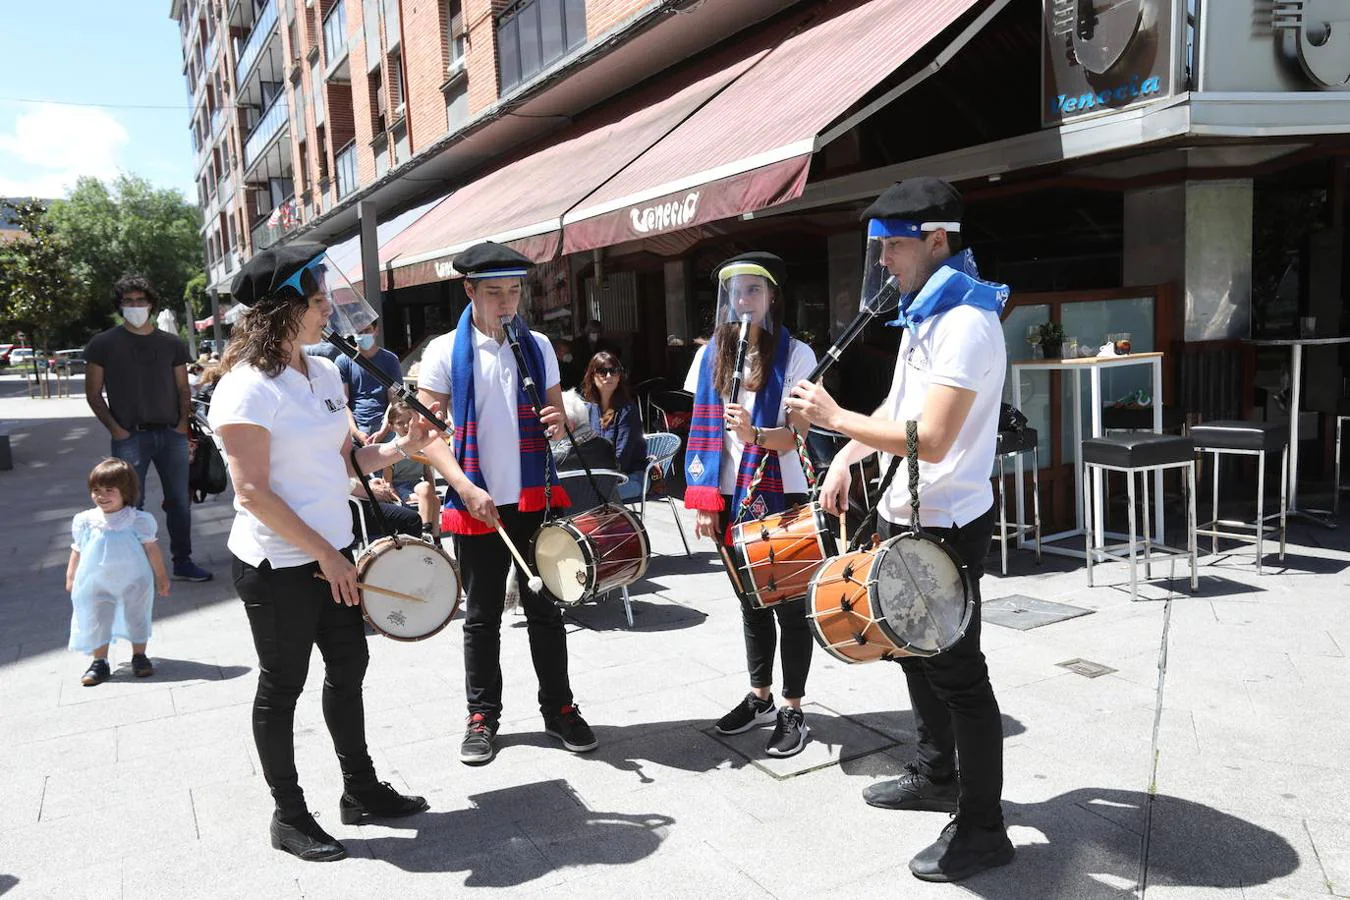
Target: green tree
column 39, row 292
column 128, row 226
column 194, row 294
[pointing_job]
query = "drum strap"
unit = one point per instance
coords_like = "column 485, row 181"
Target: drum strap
column 808, row 470
column 864, row 532
column 385, row 530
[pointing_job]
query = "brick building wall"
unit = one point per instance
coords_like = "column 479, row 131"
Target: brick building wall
column 362, row 101
column 480, row 54
column 602, row 15
column 425, row 55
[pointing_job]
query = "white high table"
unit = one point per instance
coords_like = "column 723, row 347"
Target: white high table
column 1093, row 367
column 1296, row 376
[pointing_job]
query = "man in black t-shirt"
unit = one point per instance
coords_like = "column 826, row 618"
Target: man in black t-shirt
column 144, row 372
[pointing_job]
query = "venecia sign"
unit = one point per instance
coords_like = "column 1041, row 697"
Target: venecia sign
column 1134, row 89
column 664, row 216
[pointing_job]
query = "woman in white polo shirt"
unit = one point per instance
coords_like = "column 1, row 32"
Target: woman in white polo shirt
column 726, row 441
column 282, row 417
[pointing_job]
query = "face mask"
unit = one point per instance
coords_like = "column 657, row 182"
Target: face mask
column 136, row 316
column 365, row 341
column 567, row 357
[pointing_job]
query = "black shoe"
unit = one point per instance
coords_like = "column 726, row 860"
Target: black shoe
column 749, row 713
column 305, row 839
column 141, row 666
column 569, row 727
column 477, row 748
column 789, row 735
column 913, row 791
column 98, row 672
column 359, row 806
column 962, row 851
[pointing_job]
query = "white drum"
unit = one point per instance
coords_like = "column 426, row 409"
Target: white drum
column 409, row 587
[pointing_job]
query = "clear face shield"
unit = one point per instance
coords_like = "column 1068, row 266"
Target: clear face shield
column 746, row 292
column 894, row 249
column 350, row 314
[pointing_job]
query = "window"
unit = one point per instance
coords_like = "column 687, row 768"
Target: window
column 397, row 86
column 457, row 105
column 370, row 14
column 378, row 103
column 534, row 34
column 454, row 36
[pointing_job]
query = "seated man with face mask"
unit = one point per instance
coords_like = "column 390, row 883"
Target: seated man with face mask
column 367, row 397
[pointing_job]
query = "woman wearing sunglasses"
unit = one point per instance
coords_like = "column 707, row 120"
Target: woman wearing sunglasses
column 614, row 413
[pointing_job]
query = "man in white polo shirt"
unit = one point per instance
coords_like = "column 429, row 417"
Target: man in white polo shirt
column 498, row 473
column 948, row 378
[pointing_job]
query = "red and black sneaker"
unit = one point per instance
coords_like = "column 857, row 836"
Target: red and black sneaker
column 477, row 748
column 569, row 727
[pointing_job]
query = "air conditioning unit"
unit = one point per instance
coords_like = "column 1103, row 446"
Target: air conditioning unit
column 454, row 68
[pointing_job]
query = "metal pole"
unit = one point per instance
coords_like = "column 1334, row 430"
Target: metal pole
column 215, row 319
column 370, row 262
column 191, row 328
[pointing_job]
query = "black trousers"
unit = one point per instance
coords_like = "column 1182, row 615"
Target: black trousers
column 959, row 725
column 483, row 562
column 402, row 519
column 290, row 611
column 792, row 636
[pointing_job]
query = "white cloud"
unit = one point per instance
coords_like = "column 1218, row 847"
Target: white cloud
column 51, row 145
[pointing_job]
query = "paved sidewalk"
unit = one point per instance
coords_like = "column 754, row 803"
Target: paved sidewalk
column 1210, row 762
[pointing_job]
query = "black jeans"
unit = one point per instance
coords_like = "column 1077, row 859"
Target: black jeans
column 792, row 636
column 483, row 563
column 402, row 519
column 959, row 725
column 290, row 611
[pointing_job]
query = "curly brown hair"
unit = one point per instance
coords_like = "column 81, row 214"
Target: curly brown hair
column 590, row 391
column 261, row 337
column 117, row 474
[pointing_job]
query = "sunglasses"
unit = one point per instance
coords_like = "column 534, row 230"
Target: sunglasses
column 606, row 371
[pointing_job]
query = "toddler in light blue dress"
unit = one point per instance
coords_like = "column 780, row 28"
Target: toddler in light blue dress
column 115, row 569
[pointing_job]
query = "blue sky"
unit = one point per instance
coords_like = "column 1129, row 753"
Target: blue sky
column 100, row 59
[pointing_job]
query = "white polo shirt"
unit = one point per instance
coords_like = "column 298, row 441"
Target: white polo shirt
column 800, row 363
column 307, row 418
column 962, row 347
column 494, row 390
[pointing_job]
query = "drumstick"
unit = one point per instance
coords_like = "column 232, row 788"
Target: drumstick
column 535, row 584
column 379, row 590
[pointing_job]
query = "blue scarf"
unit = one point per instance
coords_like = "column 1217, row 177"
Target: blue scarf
column 703, row 456
column 533, row 447
column 956, row 283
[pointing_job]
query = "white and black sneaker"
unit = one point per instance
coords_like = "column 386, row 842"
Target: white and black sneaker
column 789, row 735
column 751, row 712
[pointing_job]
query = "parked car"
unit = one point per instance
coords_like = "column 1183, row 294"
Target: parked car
column 71, row 360
column 22, row 358
column 5, row 350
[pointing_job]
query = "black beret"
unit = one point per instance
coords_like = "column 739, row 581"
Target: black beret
column 490, row 260
column 775, row 266
column 262, row 275
column 922, row 199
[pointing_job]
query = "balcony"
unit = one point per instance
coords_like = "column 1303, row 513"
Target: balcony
column 345, row 164
column 335, row 37
column 265, row 235
column 262, row 31
column 211, row 48
column 269, row 126
column 218, row 120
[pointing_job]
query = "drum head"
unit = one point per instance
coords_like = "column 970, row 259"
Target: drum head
column 562, row 563
column 922, row 593
column 417, row 569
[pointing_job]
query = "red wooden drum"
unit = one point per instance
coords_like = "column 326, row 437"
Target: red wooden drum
column 772, row 559
column 590, row 553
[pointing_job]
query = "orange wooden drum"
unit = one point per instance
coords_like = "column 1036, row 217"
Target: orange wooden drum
column 908, row 596
column 772, row 559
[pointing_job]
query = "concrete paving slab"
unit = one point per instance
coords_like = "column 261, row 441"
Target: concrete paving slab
column 833, row 739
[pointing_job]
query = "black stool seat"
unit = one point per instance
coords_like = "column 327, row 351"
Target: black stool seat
column 1013, row 442
column 1234, row 435
column 1138, row 450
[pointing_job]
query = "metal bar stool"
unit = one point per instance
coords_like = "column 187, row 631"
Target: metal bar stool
column 1343, row 414
column 1245, row 439
column 1010, row 444
column 1140, row 453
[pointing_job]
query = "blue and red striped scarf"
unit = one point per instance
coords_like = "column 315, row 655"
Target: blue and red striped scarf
column 703, row 456
column 533, row 446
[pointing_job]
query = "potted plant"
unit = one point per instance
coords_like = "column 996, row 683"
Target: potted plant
column 1052, row 339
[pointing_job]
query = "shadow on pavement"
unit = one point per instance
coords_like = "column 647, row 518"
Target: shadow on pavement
column 1092, row 845
column 7, row 882
column 488, row 844
column 169, row 669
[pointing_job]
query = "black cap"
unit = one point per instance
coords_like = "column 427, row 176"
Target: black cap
column 774, row 265
column 922, row 199
column 266, row 272
column 490, row 260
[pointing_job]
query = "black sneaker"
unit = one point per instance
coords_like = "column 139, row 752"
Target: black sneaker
column 141, row 666
column 962, row 851
column 98, row 672
column 569, row 727
column 361, row 805
column 789, row 735
column 913, row 791
column 749, row 713
column 477, row 747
